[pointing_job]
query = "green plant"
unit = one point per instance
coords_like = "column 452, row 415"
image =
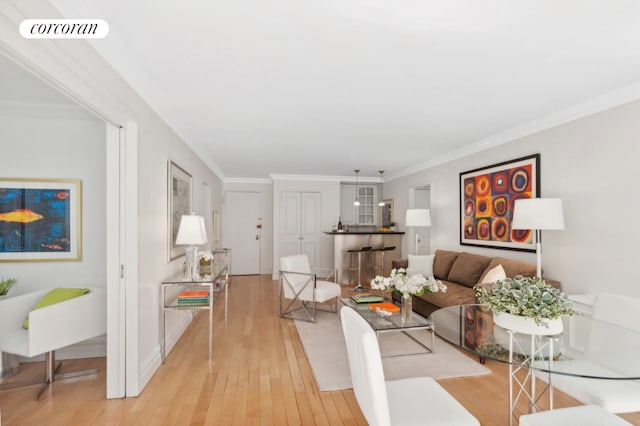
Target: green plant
column 5, row 285
column 526, row 296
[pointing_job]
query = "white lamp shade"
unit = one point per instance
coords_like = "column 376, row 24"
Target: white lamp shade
column 538, row 213
column 418, row 217
column 192, row 230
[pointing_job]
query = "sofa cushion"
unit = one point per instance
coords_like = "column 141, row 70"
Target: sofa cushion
column 421, row 265
column 442, row 263
column 456, row 294
column 468, row 268
column 399, row 263
column 54, row 296
column 511, row 268
column 493, row 275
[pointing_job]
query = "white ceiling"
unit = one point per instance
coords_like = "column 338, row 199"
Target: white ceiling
column 321, row 87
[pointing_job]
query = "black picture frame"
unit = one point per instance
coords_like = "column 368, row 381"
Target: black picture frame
column 487, row 196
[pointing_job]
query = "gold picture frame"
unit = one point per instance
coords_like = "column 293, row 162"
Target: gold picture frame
column 387, row 214
column 40, row 220
column 179, row 190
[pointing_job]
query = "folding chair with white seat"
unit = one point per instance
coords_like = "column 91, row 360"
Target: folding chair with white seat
column 302, row 288
column 413, row 401
column 611, row 351
column 583, row 415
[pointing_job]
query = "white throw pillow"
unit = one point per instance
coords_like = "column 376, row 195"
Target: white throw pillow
column 421, row 265
column 494, row 275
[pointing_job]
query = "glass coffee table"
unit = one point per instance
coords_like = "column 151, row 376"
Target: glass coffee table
column 386, row 322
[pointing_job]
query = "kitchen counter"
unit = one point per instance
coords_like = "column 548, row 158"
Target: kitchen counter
column 350, row 240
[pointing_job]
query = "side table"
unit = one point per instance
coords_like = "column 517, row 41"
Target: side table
column 215, row 285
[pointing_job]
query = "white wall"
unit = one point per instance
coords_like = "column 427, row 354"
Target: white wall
column 330, row 210
column 42, row 142
column 590, row 163
column 77, row 70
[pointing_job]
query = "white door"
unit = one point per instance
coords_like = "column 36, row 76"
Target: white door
column 300, row 224
column 310, row 229
column 241, row 232
column 290, row 223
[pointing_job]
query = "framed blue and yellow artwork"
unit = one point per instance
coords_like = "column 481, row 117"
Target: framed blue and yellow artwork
column 40, row 220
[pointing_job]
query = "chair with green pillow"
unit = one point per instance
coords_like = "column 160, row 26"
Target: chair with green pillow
column 43, row 321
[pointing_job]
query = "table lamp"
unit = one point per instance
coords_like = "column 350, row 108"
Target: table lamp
column 192, row 233
column 416, row 218
column 538, row 214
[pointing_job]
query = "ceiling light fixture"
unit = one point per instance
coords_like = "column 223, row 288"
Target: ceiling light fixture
column 381, row 202
column 356, row 202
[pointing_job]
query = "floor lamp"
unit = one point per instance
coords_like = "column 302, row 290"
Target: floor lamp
column 192, row 233
column 416, row 218
column 538, row 214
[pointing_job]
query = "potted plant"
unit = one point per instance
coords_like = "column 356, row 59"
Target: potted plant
column 526, row 304
column 5, row 285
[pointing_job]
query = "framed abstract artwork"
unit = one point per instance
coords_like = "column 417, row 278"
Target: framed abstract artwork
column 179, row 196
column 487, row 197
column 40, row 220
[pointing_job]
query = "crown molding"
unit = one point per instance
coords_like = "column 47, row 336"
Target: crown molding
column 260, row 181
column 601, row 103
column 44, row 110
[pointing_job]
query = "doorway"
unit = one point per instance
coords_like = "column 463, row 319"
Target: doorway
column 422, row 200
column 242, row 230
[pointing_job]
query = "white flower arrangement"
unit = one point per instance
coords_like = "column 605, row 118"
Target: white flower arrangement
column 401, row 281
column 205, row 257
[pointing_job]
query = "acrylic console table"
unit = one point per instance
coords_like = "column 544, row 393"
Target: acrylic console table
column 216, row 284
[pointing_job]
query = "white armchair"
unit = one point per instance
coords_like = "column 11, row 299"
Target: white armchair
column 50, row 328
column 302, row 288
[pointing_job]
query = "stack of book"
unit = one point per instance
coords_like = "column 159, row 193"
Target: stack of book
column 367, row 298
column 188, row 297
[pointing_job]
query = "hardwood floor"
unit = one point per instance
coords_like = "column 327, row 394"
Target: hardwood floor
column 259, row 375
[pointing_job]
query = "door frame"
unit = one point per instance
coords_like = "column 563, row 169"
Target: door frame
column 56, row 65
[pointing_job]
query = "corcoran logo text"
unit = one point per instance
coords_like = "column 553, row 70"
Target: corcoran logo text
column 64, row 28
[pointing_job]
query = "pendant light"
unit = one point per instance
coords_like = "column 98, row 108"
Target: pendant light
column 381, row 202
column 356, row 202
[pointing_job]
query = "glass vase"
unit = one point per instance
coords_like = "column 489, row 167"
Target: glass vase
column 407, row 308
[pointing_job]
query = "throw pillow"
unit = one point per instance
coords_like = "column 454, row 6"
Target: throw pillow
column 494, row 275
column 443, row 262
column 468, row 268
column 421, row 265
column 54, row 296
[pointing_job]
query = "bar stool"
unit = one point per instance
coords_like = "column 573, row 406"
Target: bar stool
column 352, row 267
column 380, row 266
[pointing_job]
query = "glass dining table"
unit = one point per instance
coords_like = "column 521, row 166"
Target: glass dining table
column 610, row 352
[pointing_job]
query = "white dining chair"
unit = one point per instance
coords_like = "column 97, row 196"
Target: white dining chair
column 611, row 352
column 413, row 401
column 301, row 290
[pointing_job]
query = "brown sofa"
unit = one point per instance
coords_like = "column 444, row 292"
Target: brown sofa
column 460, row 271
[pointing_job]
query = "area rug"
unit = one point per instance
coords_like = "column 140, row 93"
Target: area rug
column 327, row 353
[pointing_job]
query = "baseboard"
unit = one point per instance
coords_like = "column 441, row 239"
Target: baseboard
column 92, row 348
column 154, row 361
